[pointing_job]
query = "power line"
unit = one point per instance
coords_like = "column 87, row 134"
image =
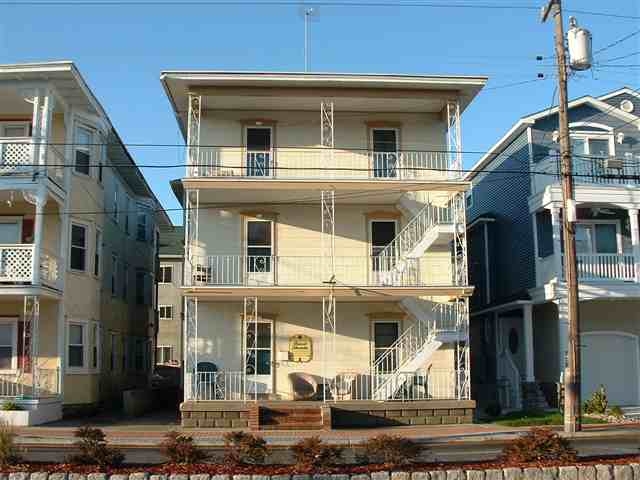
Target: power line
column 617, row 42
column 368, row 4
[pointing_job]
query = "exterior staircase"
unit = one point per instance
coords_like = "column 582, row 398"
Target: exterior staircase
column 431, row 225
column 396, row 368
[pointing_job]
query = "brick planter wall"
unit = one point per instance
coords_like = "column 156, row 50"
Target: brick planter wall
column 340, row 414
column 629, row 471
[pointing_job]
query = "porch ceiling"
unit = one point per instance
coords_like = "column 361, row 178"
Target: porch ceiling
column 346, row 294
column 228, row 191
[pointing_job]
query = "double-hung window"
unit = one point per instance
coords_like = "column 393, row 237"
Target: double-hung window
column 114, row 274
column 78, row 255
column 76, row 345
column 97, row 254
column 83, row 147
column 597, row 238
column 165, row 312
column 166, row 274
column 141, row 230
column 8, row 344
column 164, row 354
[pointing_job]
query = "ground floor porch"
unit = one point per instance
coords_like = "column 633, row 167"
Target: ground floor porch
column 306, row 355
column 519, row 352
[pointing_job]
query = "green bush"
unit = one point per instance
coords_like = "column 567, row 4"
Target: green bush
column 312, row 452
column 616, row 411
column 390, row 449
column 539, row 444
column 8, row 450
column 10, row 406
column 598, row 402
column 179, row 448
column 244, row 448
column 93, row 449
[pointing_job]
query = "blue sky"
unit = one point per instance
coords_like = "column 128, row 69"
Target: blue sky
column 121, row 50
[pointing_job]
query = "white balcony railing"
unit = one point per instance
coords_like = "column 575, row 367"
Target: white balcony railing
column 235, row 385
column 44, row 383
column 17, row 157
column 240, row 270
column 592, row 171
column 320, row 163
column 604, row 266
column 17, row 266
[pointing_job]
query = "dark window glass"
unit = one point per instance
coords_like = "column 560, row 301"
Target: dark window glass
column 384, row 141
column 385, row 334
column 83, row 160
column 78, row 247
column 259, row 139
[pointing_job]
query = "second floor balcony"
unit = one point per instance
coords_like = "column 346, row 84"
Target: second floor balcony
column 307, row 271
column 314, row 163
column 18, row 267
column 19, row 158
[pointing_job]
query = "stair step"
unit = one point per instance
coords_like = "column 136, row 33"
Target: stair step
column 290, row 418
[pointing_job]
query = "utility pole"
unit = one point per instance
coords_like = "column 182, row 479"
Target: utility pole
column 572, row 403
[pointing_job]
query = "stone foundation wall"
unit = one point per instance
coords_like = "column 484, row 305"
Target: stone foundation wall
column 338, row 415
column 629, row 471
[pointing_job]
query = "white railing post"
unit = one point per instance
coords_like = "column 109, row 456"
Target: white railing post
column 635, row 241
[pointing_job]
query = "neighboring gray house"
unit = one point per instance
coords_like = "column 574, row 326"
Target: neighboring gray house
column 169, row 344
column 518, row 311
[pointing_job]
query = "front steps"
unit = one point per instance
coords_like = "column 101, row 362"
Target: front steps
column 290, row 418
column 532, row 397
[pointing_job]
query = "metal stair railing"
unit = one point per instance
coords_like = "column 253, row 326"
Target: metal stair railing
column 415, row 230
column 392, row 363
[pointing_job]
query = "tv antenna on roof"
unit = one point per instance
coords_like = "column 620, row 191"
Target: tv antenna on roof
column 309, row 13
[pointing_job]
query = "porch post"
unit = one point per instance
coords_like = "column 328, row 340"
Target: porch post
column 38, row 230
column 527, row 327
column 45, row 127
column 557, row 246
column 635, row 241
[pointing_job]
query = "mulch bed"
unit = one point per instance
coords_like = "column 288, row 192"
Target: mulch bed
column 228, row 469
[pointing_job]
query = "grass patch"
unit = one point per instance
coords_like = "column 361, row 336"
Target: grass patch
column 535, row 419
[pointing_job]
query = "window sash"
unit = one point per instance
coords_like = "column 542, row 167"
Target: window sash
column 76, row 351
column 78, row 254
column 165, row 312
column 97, row 256
column 141, row 230
column 166, row 274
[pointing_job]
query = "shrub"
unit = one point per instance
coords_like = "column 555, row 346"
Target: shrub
column 179, row 448
column 94, row 450
column 10, row 406
column 598, row 402
column 493, row 409
column 8, row 450
column 616, row 412
column 241, row 447
column 312, row 452
column 390, row 449
column 539, row 444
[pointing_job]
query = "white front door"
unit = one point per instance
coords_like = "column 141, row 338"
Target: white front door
column 260, row 260
column 259, row 356
column 611, row 359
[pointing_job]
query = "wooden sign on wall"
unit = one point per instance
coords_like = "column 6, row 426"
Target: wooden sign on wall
column 300, row 348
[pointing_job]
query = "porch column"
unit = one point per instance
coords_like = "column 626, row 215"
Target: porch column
column 39, row 200
column 527, row 327
column 45, row 126
column 557, row 246
column 635, row 241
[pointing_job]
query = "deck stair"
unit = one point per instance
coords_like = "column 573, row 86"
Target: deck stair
column 290, row 417
column 435, row 324
column 432, row 225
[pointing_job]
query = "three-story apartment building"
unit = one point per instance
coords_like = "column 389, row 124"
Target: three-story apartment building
column 325, row 254
column 77, row 249
column 519, row 315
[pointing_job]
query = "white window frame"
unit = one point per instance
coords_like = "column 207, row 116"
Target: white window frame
column 141, row 214
column 172, row 310
column 161, row 279
column 86, row 245
column 85, row 346
column 82, row 147
column 97, row 254
column 592, row 223
column 587, row 135
column 114, row 275
column 16, row 124
column 13, row 219
column 171, row 351
column 114, row 202
column 13, row 322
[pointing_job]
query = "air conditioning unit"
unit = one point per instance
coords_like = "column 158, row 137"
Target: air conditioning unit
column 614, row 163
